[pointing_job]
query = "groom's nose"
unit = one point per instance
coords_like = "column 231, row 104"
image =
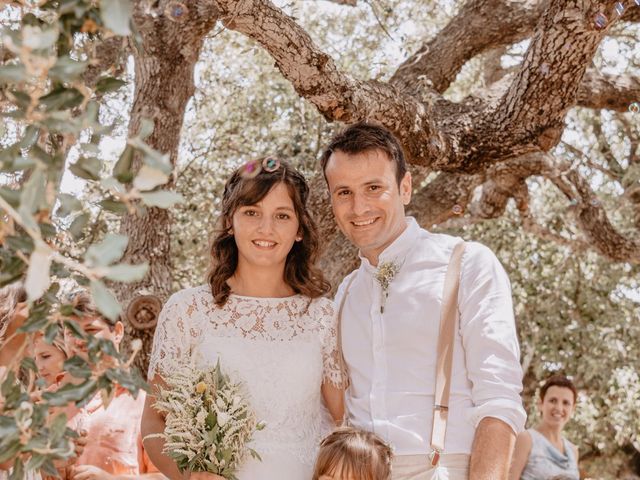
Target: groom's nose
column 360, row 204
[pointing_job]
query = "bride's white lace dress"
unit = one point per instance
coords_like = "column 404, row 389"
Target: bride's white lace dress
column 283, row 349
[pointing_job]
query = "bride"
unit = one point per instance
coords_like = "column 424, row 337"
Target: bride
column 263, row 315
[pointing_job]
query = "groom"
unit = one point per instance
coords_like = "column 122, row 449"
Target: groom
column 390, row 326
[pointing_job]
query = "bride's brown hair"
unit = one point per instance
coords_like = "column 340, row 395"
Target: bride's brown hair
column 244, row 188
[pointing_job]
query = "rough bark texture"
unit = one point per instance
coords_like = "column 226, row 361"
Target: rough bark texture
column 493, row 140
column 163, row 86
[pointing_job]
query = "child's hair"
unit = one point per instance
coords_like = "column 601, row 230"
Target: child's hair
column 352, row 453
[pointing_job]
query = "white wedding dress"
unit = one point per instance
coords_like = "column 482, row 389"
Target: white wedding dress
column 283, row 349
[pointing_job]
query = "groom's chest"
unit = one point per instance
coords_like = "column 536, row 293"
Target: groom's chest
column 409, row 315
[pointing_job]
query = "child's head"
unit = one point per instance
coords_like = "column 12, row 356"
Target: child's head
column 352, row 454
column 91, row 322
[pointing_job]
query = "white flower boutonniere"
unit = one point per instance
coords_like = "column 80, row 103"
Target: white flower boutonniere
column 384, row 275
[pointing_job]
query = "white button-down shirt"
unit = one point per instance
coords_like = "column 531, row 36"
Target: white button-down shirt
column 391, row 356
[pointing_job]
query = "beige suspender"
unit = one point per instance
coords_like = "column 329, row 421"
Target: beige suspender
column 444, row 362
column 448, row 317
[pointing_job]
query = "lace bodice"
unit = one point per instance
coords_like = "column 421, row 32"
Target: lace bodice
column 283, row 349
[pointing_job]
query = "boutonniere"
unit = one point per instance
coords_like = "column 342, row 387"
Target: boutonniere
column 384, row 276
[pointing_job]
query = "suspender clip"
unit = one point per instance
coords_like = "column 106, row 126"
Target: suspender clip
column 434, row 457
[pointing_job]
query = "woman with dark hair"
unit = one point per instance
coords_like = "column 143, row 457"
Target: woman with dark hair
column 542, row 452
column 263, row 316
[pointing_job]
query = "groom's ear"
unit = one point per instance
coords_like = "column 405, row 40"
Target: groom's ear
column 406, row 188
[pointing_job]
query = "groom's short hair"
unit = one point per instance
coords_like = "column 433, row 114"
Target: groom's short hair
column 363, row 137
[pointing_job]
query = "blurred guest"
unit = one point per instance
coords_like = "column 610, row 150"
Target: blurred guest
column 114, row 448
column 49, row 358
column 542, row 452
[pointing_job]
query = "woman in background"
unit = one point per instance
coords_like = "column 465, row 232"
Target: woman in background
column 542, row 452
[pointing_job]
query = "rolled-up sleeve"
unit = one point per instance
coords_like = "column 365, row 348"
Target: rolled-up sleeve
column 488, row 330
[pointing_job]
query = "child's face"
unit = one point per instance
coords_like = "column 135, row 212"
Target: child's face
column 49, row 360
column 95, row 326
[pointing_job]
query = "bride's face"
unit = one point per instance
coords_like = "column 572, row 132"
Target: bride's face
column 266, row 231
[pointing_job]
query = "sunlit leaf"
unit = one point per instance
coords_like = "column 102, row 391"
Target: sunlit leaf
column 105, row 300
column 162, row 199
column 116, row 15
column 126, row 273
column 149, row 178
column 110, row 249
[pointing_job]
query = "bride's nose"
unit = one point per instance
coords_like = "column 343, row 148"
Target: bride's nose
column 266, row 224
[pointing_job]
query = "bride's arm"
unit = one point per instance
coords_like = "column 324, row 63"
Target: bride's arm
column 334, row 400
column 153, row 422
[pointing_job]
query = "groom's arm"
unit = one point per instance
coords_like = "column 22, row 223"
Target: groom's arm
column 492, row 357
column 492, row 448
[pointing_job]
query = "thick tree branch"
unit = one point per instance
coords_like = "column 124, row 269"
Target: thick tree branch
column 337, row 95
column 612, row 92
column 479, row 26
column 530, row 115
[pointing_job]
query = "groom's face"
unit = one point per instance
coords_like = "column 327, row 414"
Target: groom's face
column 367, row 201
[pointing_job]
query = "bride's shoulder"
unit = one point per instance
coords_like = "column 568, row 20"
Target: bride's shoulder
column 321, row 310
column 186, row 297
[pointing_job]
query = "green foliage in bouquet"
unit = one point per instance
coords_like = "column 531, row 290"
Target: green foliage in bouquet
column 209, row 421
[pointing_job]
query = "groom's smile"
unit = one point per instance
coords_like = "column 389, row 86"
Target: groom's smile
column 368, row 203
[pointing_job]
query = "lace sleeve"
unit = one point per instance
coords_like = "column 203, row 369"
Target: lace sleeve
column 170, row 341
column 333, row 370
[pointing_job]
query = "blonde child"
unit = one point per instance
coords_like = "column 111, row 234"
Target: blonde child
column 353, row 454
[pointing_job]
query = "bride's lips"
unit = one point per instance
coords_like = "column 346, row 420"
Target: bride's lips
column 264, row 244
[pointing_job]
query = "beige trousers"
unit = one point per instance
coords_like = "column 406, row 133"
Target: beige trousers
column 418, row 467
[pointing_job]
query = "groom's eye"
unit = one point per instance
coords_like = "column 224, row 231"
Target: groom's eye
column 343, row 193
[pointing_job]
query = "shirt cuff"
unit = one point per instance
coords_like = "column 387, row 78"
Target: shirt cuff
column 509, row 411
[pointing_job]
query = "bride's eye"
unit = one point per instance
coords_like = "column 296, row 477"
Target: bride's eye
column 250, row 213
column 283, row 216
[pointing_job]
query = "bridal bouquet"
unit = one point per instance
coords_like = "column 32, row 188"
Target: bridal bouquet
column 208, row 421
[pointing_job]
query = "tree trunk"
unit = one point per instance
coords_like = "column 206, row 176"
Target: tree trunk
column 172, row 37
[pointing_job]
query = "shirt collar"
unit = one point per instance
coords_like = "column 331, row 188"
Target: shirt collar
column 398, row 249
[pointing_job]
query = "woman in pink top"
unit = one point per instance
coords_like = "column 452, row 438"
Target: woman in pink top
column 114, row 449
